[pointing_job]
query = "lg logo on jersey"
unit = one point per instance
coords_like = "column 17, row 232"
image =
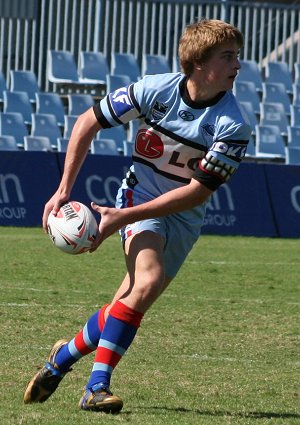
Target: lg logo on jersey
column 237, row 151
column 149, row 144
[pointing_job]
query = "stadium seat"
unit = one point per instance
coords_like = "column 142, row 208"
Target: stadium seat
column 62, row 144
column 249, row 109
column 104, row 147
column 46, row 125
column 93, row 67
column 18, row 102
column 79, row 103
column 278, row 72
column 250, row 72
column 269, row 142
column 69, row 124
column 37, row 143
column 274, row 114
column 128, row 148
column 3, row 86
column 296, row 94
column 251, row 148
column 245, row 91
column 25, row 81
column 293, row 136
column 297, row 73
column 8, row 143
column 114, row 82
column 62, row 67
column 125, row 64
column 295, row 116
column 176, row 64
column 12, row 124
column 133, row 127
column 50, row 103
column 292, row 155
column 276, row 93
column 118, row 134
column 155, row 64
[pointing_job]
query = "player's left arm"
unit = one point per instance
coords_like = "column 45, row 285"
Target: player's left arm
column 174, row 201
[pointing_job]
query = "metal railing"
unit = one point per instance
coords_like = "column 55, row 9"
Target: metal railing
column 137, row 26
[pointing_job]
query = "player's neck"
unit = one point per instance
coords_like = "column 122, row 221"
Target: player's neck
column 200, row 93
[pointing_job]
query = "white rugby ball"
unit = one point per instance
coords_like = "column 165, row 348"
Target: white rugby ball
column 73, row 229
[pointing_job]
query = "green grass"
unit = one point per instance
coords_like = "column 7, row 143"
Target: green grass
column 221, row 346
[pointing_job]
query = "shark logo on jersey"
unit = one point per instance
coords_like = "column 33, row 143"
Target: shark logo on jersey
column 159, row 110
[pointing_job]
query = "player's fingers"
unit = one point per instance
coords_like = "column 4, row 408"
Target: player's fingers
column 96, row 207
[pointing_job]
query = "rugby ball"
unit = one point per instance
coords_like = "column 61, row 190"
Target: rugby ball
column 73, row 229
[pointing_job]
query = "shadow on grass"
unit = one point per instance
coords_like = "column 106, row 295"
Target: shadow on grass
column 220, row 413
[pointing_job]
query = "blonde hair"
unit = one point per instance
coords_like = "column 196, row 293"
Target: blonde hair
column 199, row 40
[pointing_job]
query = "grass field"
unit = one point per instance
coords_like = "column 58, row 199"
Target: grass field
column 221, row 346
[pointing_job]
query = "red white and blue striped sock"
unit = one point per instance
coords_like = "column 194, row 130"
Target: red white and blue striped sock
column 118, row 333
column 83, row 343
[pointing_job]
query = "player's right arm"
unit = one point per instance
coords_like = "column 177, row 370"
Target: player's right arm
column 83, row 132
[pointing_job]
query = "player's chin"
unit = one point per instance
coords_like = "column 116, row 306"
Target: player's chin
column 229, row 83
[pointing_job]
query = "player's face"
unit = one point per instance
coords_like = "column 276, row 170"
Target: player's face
column 221, row 69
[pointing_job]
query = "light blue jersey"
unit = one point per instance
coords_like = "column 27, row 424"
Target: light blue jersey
column 178, row 138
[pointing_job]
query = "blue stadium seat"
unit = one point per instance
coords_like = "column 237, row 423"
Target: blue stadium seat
column 295, row 116
column 296, row 94
column 93, row 67
column 118, row 134
column 276, row 93
column 50, row 103
column 46, row 125
column 278, row 72
column 62, row 144
column 37, row 143
column 176, row 64
column 104, row 147
column 25, row 81
column 292, row 155
column 69, row 124
column 133, row 127
column 18, row 102
column 128, row 148
column 251, row 148
column 274, row 114
column 297, row 73
column 79, row 103
column 8, row 143
column 12, row 124
column 125, row 64
column 269, row 142
column 252, row 116
column 155, row 64
column 3, row 86
column 293, row 136
column 62, row 67
column 114, row 82
column 250, row 72
column 245, row 91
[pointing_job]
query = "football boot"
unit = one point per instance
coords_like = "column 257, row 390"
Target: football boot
column 99, row 398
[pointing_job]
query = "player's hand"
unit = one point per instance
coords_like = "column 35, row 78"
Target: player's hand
column 52, row 207
column 110, row 222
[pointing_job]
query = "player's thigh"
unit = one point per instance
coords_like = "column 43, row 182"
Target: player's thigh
column 144, row 255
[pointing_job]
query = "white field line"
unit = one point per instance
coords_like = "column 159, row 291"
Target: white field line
column 53, row 306
column 244, row 263
column 205, row 358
